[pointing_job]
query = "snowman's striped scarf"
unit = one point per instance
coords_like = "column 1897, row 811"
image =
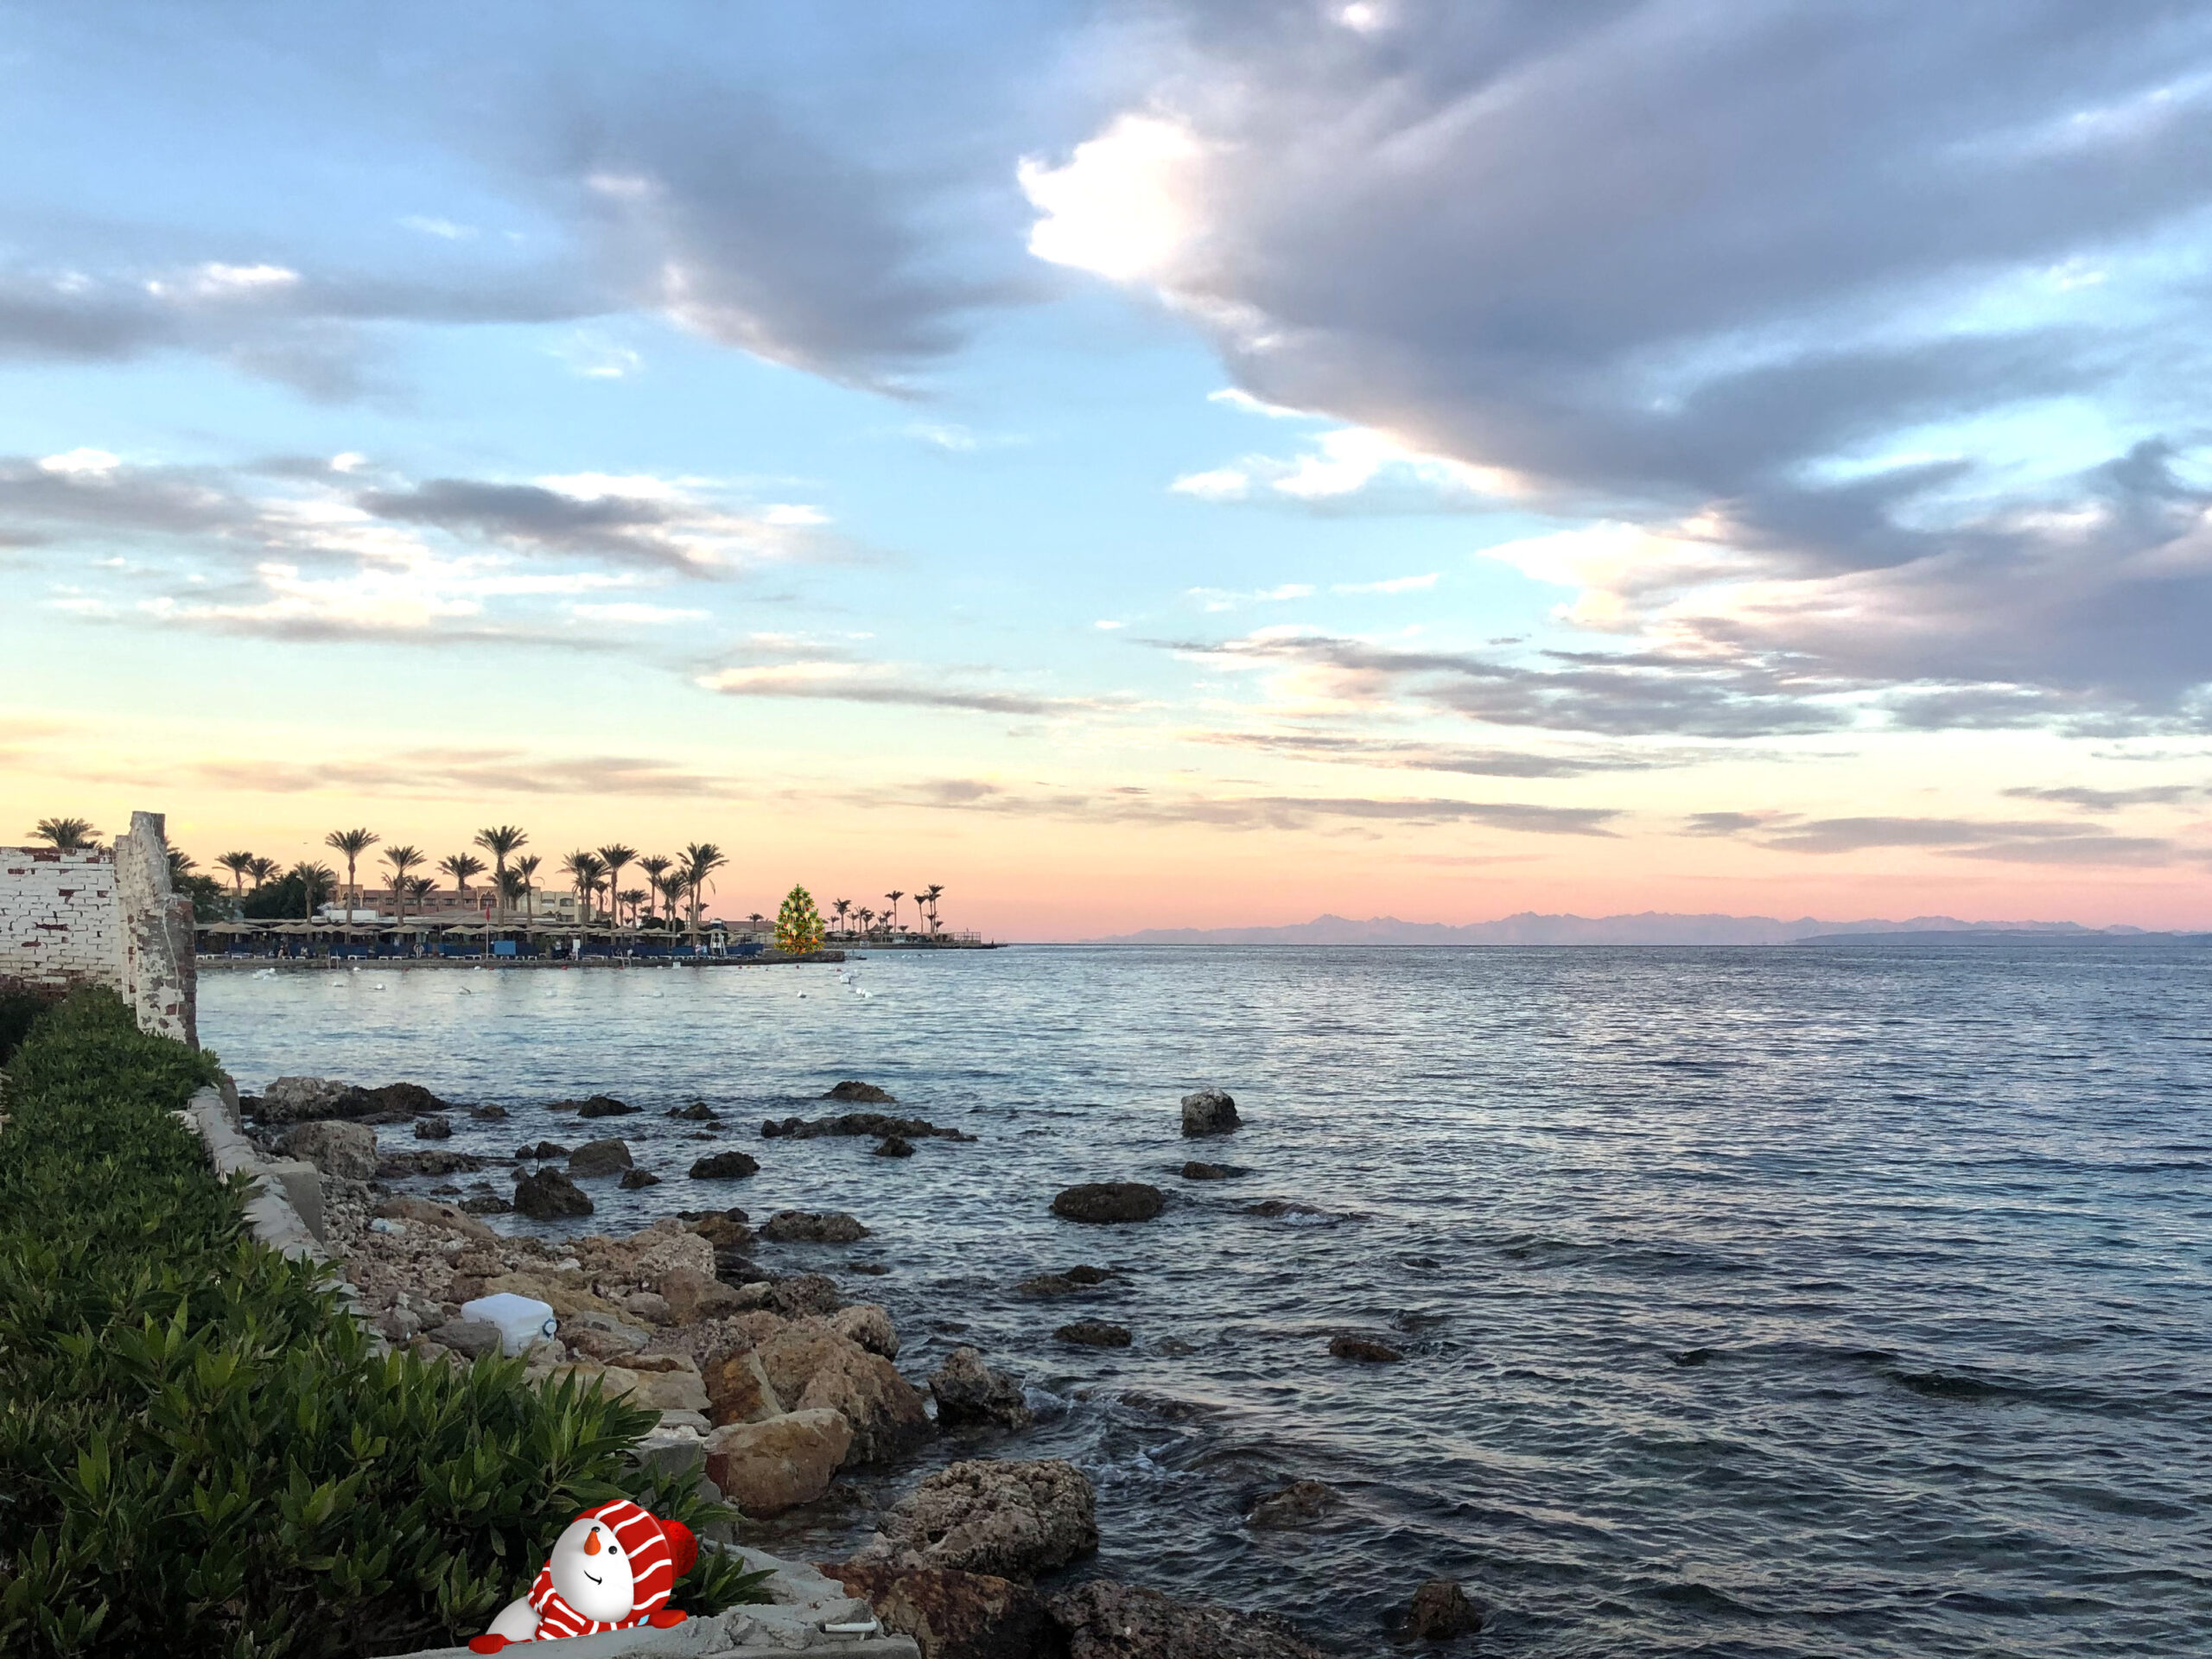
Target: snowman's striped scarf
column 653, row 1570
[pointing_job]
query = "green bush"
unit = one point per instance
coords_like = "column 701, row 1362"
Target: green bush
column 21, row 1003
column 200, row 1453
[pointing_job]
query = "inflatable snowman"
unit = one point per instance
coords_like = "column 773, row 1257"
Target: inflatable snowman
column 612, row 1568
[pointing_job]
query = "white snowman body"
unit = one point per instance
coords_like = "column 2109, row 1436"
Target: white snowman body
column 591, row 1571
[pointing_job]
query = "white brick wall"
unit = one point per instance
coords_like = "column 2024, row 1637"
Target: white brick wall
column 106, row 918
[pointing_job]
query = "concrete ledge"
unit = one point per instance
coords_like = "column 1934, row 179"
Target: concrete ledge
column 270, row 1211
column 806, row 1601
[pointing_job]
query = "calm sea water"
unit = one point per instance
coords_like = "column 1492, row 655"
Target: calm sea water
column 1781, row 1301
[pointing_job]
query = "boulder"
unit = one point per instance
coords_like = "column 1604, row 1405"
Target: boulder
column 1208, row 1112
column 813, row 1366
column 1012, row 1520
column 606, row 1157
column 408, row 1098
column 692, row 1295
column 649, row 1305
column 665, row 1390
column 300, row 1100
column 433, row 1129
column 432, row 1213
column 1442, row 1610
column 596, row 1337
column 1104, row 1620
column 665, row 1245
column 1195, row 1171
column 1297, row 1504
column 605, row 1106
column 812, row 1227
column 548, row 1195
column 527, row 1153
column 346, row 1150
column 696, row 1112
column 725, row 1167
column 870, row 1324
column 894, row 1146
column 723, row 1227
column 954, row 1615
column 804, row 1295
column 738, row 1390
column 766, row 1468
column 474, row 1338
column 634, row 1178
column 1108, row 1201
column 564, row 1300
column 1276, row 1209
column 487, row 1114
column 1366, row 1349
column 1094, row 1333
column 969, row 1392
column 1078, row 1277
column 487, row 1204
column 860, row 1094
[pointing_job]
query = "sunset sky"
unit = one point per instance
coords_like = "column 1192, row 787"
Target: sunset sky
column 1135, row 465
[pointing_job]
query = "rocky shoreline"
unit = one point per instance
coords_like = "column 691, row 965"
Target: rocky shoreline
column 770, row 1384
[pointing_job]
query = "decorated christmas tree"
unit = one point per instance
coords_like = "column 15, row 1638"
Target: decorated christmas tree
column 799, row 924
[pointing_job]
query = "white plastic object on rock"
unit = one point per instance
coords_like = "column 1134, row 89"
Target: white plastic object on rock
column 521, row 1319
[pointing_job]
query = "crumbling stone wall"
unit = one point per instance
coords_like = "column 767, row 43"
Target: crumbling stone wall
column 107, row 917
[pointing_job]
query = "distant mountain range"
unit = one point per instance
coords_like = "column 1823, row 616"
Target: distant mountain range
column 1651, row 927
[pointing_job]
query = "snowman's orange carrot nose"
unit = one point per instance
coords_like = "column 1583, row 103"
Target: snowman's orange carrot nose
column 591, row 1542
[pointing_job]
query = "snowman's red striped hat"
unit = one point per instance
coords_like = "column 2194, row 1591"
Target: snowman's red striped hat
column 660, row 1552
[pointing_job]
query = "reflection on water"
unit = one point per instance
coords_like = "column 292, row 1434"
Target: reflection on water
column 1755, row 1301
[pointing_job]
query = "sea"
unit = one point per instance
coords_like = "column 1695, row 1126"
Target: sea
column 1759, row 1301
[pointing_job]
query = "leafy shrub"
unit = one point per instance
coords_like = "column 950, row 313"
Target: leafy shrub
column 200, row 1453
column 21, row 1002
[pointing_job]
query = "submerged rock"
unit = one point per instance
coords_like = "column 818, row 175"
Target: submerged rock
column 1012, row 1520
column 696, row 1112
column 433, row 1129
column 634, row 1178
column 1440, row 1611
column 1094, row 1333
column 600, row 1158
column 1195, row 1171
column 1108, row 1202
column 725, row 1167
column 526, row 1153
column 969, row 1392
column 1208, row 1112
column 549, row 1195
column 1297, row 1504
column 894, row 1146
column 1078, row 1277
column 1276, row 1209
column 812, row 1227
column 876, row 1124
column 1364, row 1349
column 860, row 1094
column 487, row 1114
column 1105, row 1620
column 401, row 1165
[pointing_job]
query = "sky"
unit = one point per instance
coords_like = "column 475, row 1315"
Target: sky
column 1134, row 465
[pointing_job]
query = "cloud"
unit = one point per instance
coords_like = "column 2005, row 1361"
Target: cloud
column 1414, row 755
column 1247, row 812
column 2013, row 841
column 1878, row 326
column 446, row 774
column 832, row 680
column 1393, row 585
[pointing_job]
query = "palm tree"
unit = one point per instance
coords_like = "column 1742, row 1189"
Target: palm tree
column 68, row 834
column 419, row 888
column 241, row 865
column 499, row 840
column 401, row 859
column 511, row 887
column 632, row 897
column 671, row 884
column 464, row 868
column 582, row 868
column 867, row 918
column 181, row 864
column 614, row 856
column 700, row 859
column 843, row 907
column 655, row 866
column 262, row 870
column 353, row 843
column 527, row 868
column 928, row 896
column 316, row 882
column 895, row 896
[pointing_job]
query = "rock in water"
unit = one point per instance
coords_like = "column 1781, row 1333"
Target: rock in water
column 347, row 1150
column 723, row 1228
column 487, row 1114
column 954, row 1615
column 696, row 1112
column 1124, row 1621
column 633, row 1178
column 1440, row 1611
column 870, row 1324
column 725, row 1167
column 811, row 1365
column 1011, row 1520
column 603, row 1106
column 879, row 1124
column 1094, row 1333
column 600, row 1158
column 1208, row 1112
column 1297, row 1504
column 549, row 1195
column 766, row 1468
column 540, row 1153
column 1195, row 1171
column 1079, row 1278
column 861, row 1094
column 812, row 1227
column 401, row 1165
column 1108, row 1201
column 894, row 1146
column 967, row 1391
column 433, row 1129
column 1364, row 1349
